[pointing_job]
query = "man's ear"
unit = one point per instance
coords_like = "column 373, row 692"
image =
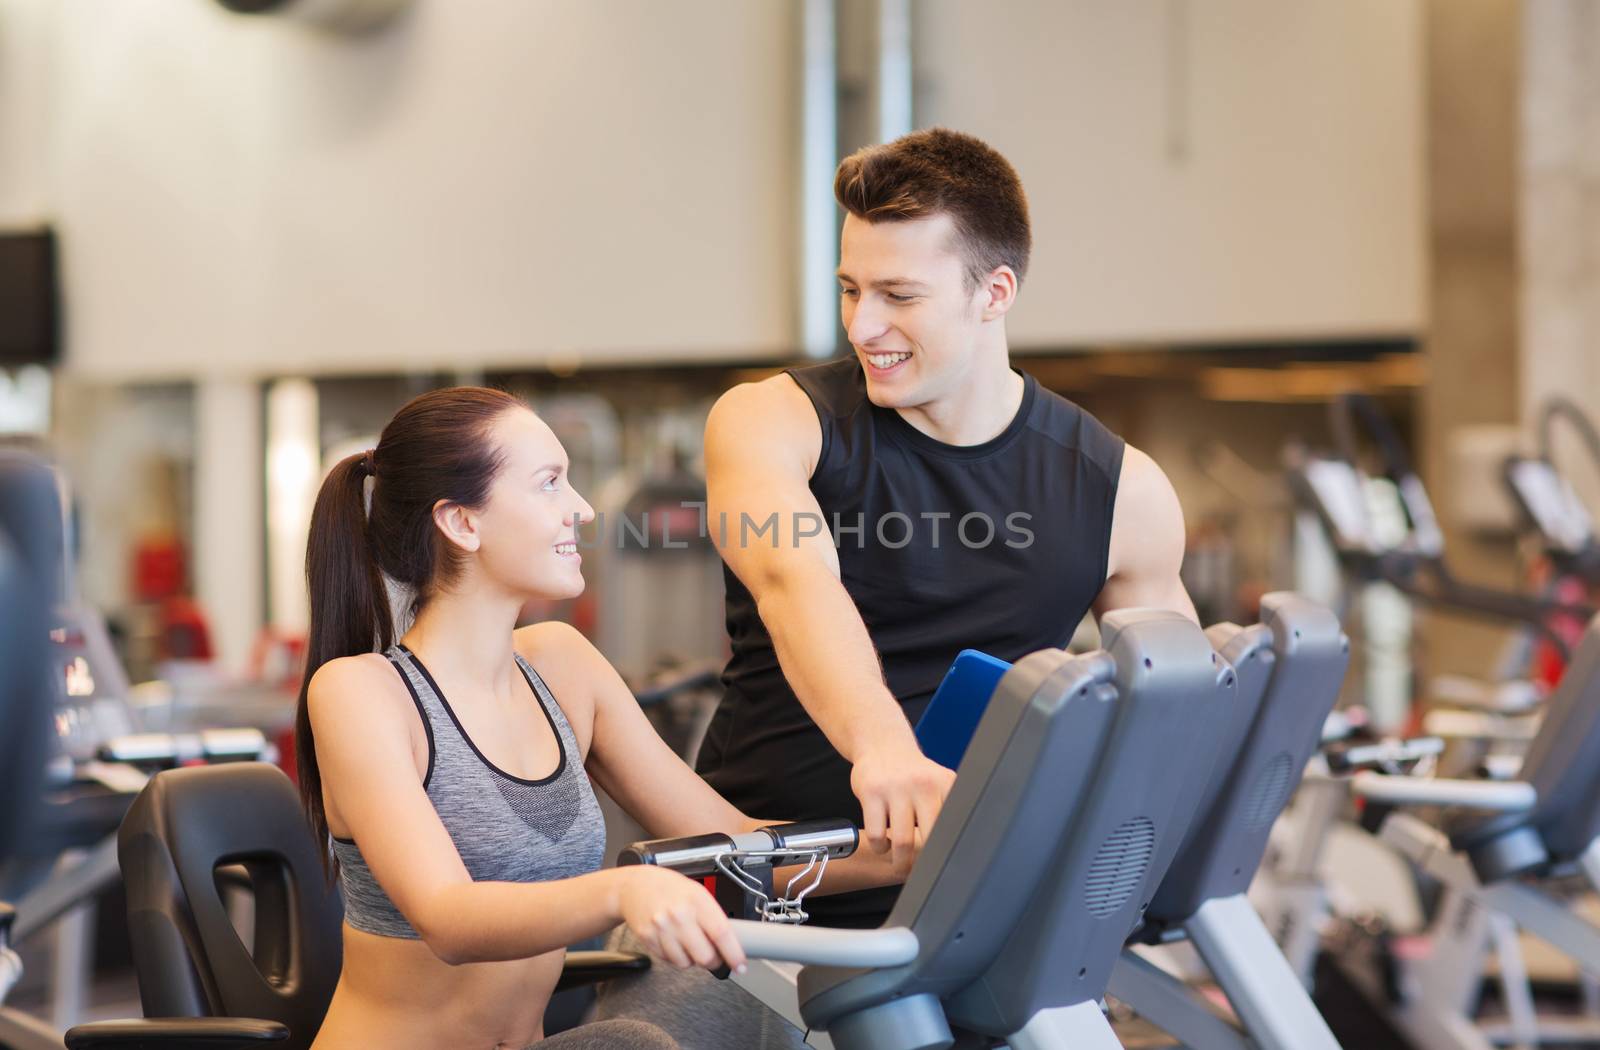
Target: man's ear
column 459, row 525
column 997, row 292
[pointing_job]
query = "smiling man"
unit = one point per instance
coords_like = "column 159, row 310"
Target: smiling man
column 879, row 513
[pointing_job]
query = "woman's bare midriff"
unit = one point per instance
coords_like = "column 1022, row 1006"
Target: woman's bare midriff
column 396, row 992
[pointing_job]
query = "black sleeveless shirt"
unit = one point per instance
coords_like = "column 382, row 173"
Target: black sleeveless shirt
column 999, row 546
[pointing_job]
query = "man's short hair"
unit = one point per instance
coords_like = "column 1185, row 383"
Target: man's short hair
column 939, row 171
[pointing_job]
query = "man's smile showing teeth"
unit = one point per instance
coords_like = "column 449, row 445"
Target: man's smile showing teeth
column 566, row 548
column 886, row 360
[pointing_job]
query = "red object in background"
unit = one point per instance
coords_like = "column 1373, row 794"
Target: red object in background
column 1548, row 664
column 184, row 633
column 158, row 568
column 278, row 658
column 286, row 757
column 159, row 575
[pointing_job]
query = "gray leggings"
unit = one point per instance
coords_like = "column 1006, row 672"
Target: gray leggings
column 609, row 1035
column 696, row 1009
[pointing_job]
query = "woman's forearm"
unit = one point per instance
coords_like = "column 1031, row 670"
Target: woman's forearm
column 495, row 921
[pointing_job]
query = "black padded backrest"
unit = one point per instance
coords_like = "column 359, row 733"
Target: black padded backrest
column 1061, row 816
column 184, row 825
column 1298, row 655
column 1563, row 761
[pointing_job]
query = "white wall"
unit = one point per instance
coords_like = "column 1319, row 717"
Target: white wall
column 228, row 518
column 27, row 57
column 1198, row 169
column 491, row 182
column 1559, row 212
column 485, row 183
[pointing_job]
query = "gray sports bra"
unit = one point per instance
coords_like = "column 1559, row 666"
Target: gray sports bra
column 506, row 829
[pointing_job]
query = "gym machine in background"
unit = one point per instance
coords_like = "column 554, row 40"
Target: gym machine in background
column 95, row 762
column 1389, row 547
column 1562, row 531
column 1509, row 855
column 1549, row 504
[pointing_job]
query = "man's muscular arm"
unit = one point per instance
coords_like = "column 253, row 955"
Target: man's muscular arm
column 1147, row 540
column 762, row 444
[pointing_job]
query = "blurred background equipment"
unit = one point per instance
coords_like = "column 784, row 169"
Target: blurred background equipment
column 1562, row 552
column 1388, row 541
column 55, row 875
column 29, row 590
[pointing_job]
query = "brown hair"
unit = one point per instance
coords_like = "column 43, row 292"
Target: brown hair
column 437, row 447
column 939, row 171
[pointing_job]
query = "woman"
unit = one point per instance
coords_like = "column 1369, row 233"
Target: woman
column 452, row 767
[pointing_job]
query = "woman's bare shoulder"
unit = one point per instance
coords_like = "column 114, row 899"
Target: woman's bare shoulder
column 555, row 644
column 569, row 664
column 368, row 677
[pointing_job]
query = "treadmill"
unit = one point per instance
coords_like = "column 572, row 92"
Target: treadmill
column 1416, row 566
column 1547, row 501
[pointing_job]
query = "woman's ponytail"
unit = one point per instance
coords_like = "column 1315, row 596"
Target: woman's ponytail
column 349, row 606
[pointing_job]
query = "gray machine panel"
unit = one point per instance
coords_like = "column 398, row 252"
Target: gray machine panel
column 1129, row 824
column 1066, row 811
column 1563, row 761
column 1302, row 672
column 1248, row 650
column 1051, row 711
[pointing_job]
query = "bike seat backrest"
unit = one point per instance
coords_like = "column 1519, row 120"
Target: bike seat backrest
column 1061, row 818
column 1299, row 655
column 185, row 826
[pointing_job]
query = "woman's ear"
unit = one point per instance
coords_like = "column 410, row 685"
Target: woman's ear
column 459, row 525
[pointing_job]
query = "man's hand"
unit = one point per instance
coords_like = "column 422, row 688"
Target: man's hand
column 901, row 792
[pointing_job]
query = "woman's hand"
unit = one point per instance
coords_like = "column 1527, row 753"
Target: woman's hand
column 677, row 919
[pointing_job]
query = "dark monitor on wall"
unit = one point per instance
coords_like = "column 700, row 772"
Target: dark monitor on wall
column 29, row 302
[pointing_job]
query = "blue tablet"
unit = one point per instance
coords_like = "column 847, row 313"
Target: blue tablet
column 946, row 727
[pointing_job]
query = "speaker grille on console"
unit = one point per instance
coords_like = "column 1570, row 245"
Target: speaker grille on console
column 1269, row 792
column 1119, row 866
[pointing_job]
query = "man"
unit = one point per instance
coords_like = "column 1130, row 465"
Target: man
column 879, row 513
